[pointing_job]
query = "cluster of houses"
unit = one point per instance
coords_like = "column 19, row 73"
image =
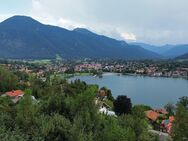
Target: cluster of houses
column 87, row 67
column 154, row 71
column 136, row 67
column 160, row 120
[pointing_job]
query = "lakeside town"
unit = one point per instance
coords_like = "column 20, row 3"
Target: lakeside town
column 171, row 68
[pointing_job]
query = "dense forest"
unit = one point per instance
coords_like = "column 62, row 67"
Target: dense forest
column 66, row 111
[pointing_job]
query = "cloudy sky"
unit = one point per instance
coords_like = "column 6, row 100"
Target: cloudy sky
column 151, row 21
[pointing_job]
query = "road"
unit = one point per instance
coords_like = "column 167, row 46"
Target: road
column 162, row 136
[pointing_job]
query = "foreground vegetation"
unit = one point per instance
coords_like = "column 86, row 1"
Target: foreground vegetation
column 67, row 112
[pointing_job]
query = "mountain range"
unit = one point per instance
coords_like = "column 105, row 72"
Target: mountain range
column 184, row 56
column 22, row 37
column 167, row 51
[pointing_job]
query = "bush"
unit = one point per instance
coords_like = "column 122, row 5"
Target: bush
column 122, row 105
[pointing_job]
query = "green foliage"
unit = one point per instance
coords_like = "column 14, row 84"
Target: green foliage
column 70, row 71
column 26, row 111
column 8, row 81
column 22, row 76
column 110, row 103
column 122, row 105
column 55, row 128
column 142, row 107
column 184, row 101
column 15, row 135
column 180, row 127
column 7, row 112
column 139, row 110
column 108, row 93
column 139, row 125
column 75, row 87
column 114, row 131
column 66, row 111
column 170, row 108
column 28, row 91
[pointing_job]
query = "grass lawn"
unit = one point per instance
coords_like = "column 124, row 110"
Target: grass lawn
column 66, row 75
column 45, row 61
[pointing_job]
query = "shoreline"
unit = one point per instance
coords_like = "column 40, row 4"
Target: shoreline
column 68, row 76
column 143, row 75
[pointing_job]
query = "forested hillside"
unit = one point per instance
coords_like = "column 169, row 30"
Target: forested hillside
column 67, row 111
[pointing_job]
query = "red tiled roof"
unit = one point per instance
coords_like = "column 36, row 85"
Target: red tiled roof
column 15, row 93
column 152, row 115
column 171, row 118
column 161, row 110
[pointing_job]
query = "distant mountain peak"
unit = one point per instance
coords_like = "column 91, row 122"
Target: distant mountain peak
column 20, row 17
column 20, row 20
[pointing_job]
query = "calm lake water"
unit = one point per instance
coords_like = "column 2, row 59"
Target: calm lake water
column 152, row 91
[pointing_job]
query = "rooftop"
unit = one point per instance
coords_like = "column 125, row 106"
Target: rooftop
column 152, row 115
column 15, row 93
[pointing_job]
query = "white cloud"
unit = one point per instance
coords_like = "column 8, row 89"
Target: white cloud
column 128, row 36
column 68, row 24
column 41, row 13
column 41, row 10
column 144, row 21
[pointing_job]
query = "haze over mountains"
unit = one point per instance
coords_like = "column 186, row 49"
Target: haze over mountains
column 22, row 37
column 184, row 56
column 167, row 51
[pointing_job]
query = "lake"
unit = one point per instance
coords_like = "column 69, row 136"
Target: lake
column 152, row 91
